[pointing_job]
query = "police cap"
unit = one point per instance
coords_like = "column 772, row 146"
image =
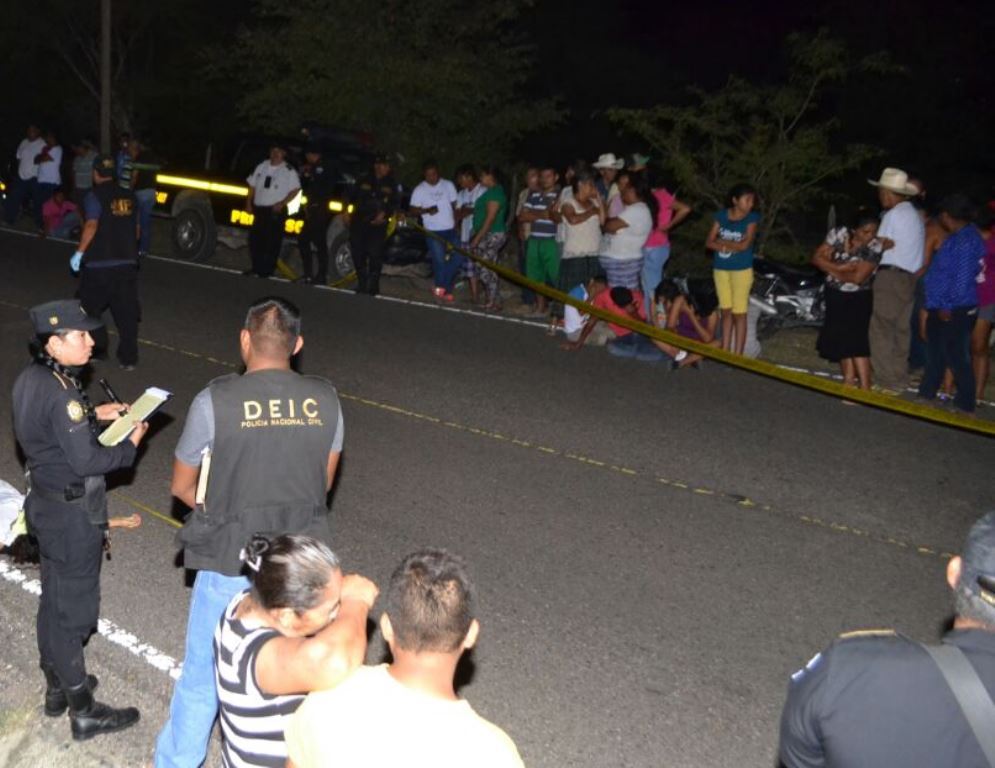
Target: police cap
column 62, row 315
column 381, row 158
column 105, row 165
column 978, row 559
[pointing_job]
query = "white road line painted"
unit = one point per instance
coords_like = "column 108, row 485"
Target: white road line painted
column 349, row 292
column 107, row 629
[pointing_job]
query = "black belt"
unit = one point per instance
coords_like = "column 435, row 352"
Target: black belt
column 69, row 494
column 895, row 268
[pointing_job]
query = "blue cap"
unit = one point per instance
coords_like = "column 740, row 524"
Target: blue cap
column 977, row 573
column 105, row 165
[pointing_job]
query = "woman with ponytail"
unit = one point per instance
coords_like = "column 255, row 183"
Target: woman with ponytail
column 66, row 506
column 301, row 627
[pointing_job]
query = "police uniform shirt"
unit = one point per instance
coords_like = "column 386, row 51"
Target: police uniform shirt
column 52, row 427
column 876, row 698
column 318, row 186
column 372, row 195
column 272, row 183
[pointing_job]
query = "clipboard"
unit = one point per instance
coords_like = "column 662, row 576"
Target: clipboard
column 141, row 409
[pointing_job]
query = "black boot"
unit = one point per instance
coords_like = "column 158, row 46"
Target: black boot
column 55, row 697
column 90, row 718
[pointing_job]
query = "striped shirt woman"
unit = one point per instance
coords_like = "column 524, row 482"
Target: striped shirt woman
column 252, row 721
column 300, row 628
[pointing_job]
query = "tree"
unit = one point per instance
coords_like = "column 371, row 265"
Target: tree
column 777, row 137
column 155, row 66
column 427, row 78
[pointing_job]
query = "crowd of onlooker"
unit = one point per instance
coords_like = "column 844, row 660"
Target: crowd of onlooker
column 910, row 287
column 54, row 189
column 600, row 233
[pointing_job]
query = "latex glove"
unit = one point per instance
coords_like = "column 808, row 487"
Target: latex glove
column 76, row 261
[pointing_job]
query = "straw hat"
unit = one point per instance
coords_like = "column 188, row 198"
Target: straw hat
column 609, row 161
column 897, row 181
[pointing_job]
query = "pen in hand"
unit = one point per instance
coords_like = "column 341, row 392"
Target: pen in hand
column 105, row 385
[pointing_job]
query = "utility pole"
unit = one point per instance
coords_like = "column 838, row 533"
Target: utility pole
column 105, row 75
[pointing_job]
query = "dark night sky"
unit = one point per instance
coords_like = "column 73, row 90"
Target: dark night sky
column 938, row 120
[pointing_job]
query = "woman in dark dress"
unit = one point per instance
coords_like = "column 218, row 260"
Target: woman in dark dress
column 849, row 257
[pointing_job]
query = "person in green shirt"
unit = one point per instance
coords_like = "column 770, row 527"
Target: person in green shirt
column 490, row 223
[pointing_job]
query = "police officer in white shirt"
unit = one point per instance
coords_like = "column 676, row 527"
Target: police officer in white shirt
column 271, row 187
column 25, row 185
column 903, row 234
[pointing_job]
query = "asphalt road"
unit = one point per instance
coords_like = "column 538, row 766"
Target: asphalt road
column 655, row 552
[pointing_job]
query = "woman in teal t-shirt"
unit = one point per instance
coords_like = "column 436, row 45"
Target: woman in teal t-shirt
column 731, row 239
column 490, row 219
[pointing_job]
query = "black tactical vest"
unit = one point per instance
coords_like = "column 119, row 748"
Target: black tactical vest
column 273, row 430
column 116, row 240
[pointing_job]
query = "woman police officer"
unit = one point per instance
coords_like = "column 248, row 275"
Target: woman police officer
column 66, row 506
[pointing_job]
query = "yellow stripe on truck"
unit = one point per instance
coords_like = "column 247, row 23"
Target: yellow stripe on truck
column 206, row 186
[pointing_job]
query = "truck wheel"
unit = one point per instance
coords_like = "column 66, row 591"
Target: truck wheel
column 340, row 263
column 194, row 233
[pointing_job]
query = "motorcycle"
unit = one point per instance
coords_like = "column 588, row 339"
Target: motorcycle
column 787, row 296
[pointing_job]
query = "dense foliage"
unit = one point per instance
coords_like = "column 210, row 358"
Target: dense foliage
column 775, row 136
column 427, row 78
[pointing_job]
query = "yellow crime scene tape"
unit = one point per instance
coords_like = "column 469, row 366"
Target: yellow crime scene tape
column 808, row 381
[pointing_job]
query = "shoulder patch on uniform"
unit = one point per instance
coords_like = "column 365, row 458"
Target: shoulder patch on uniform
column 75, row 410
column 867, row 633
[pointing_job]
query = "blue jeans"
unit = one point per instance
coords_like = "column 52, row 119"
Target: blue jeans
column 182, row 743
column 654, row 260
column 443, row 270
column 637, row 346
column 145, row 200
column 19, row 191
column 948, row 345
column 69, row 222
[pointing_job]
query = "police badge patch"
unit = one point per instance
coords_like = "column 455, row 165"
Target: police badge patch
column 75, row 411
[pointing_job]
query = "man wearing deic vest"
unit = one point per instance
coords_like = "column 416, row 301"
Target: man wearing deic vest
column 258, row 454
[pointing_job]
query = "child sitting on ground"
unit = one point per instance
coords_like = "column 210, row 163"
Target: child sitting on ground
column 573, row 320
column 696, row 318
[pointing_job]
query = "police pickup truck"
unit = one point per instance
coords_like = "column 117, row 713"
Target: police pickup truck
column 208, row 206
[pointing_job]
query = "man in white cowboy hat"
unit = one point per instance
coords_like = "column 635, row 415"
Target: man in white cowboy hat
column 903, row 234
column 607, row 167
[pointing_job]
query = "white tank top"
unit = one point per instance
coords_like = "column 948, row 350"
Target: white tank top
column 582, row 239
